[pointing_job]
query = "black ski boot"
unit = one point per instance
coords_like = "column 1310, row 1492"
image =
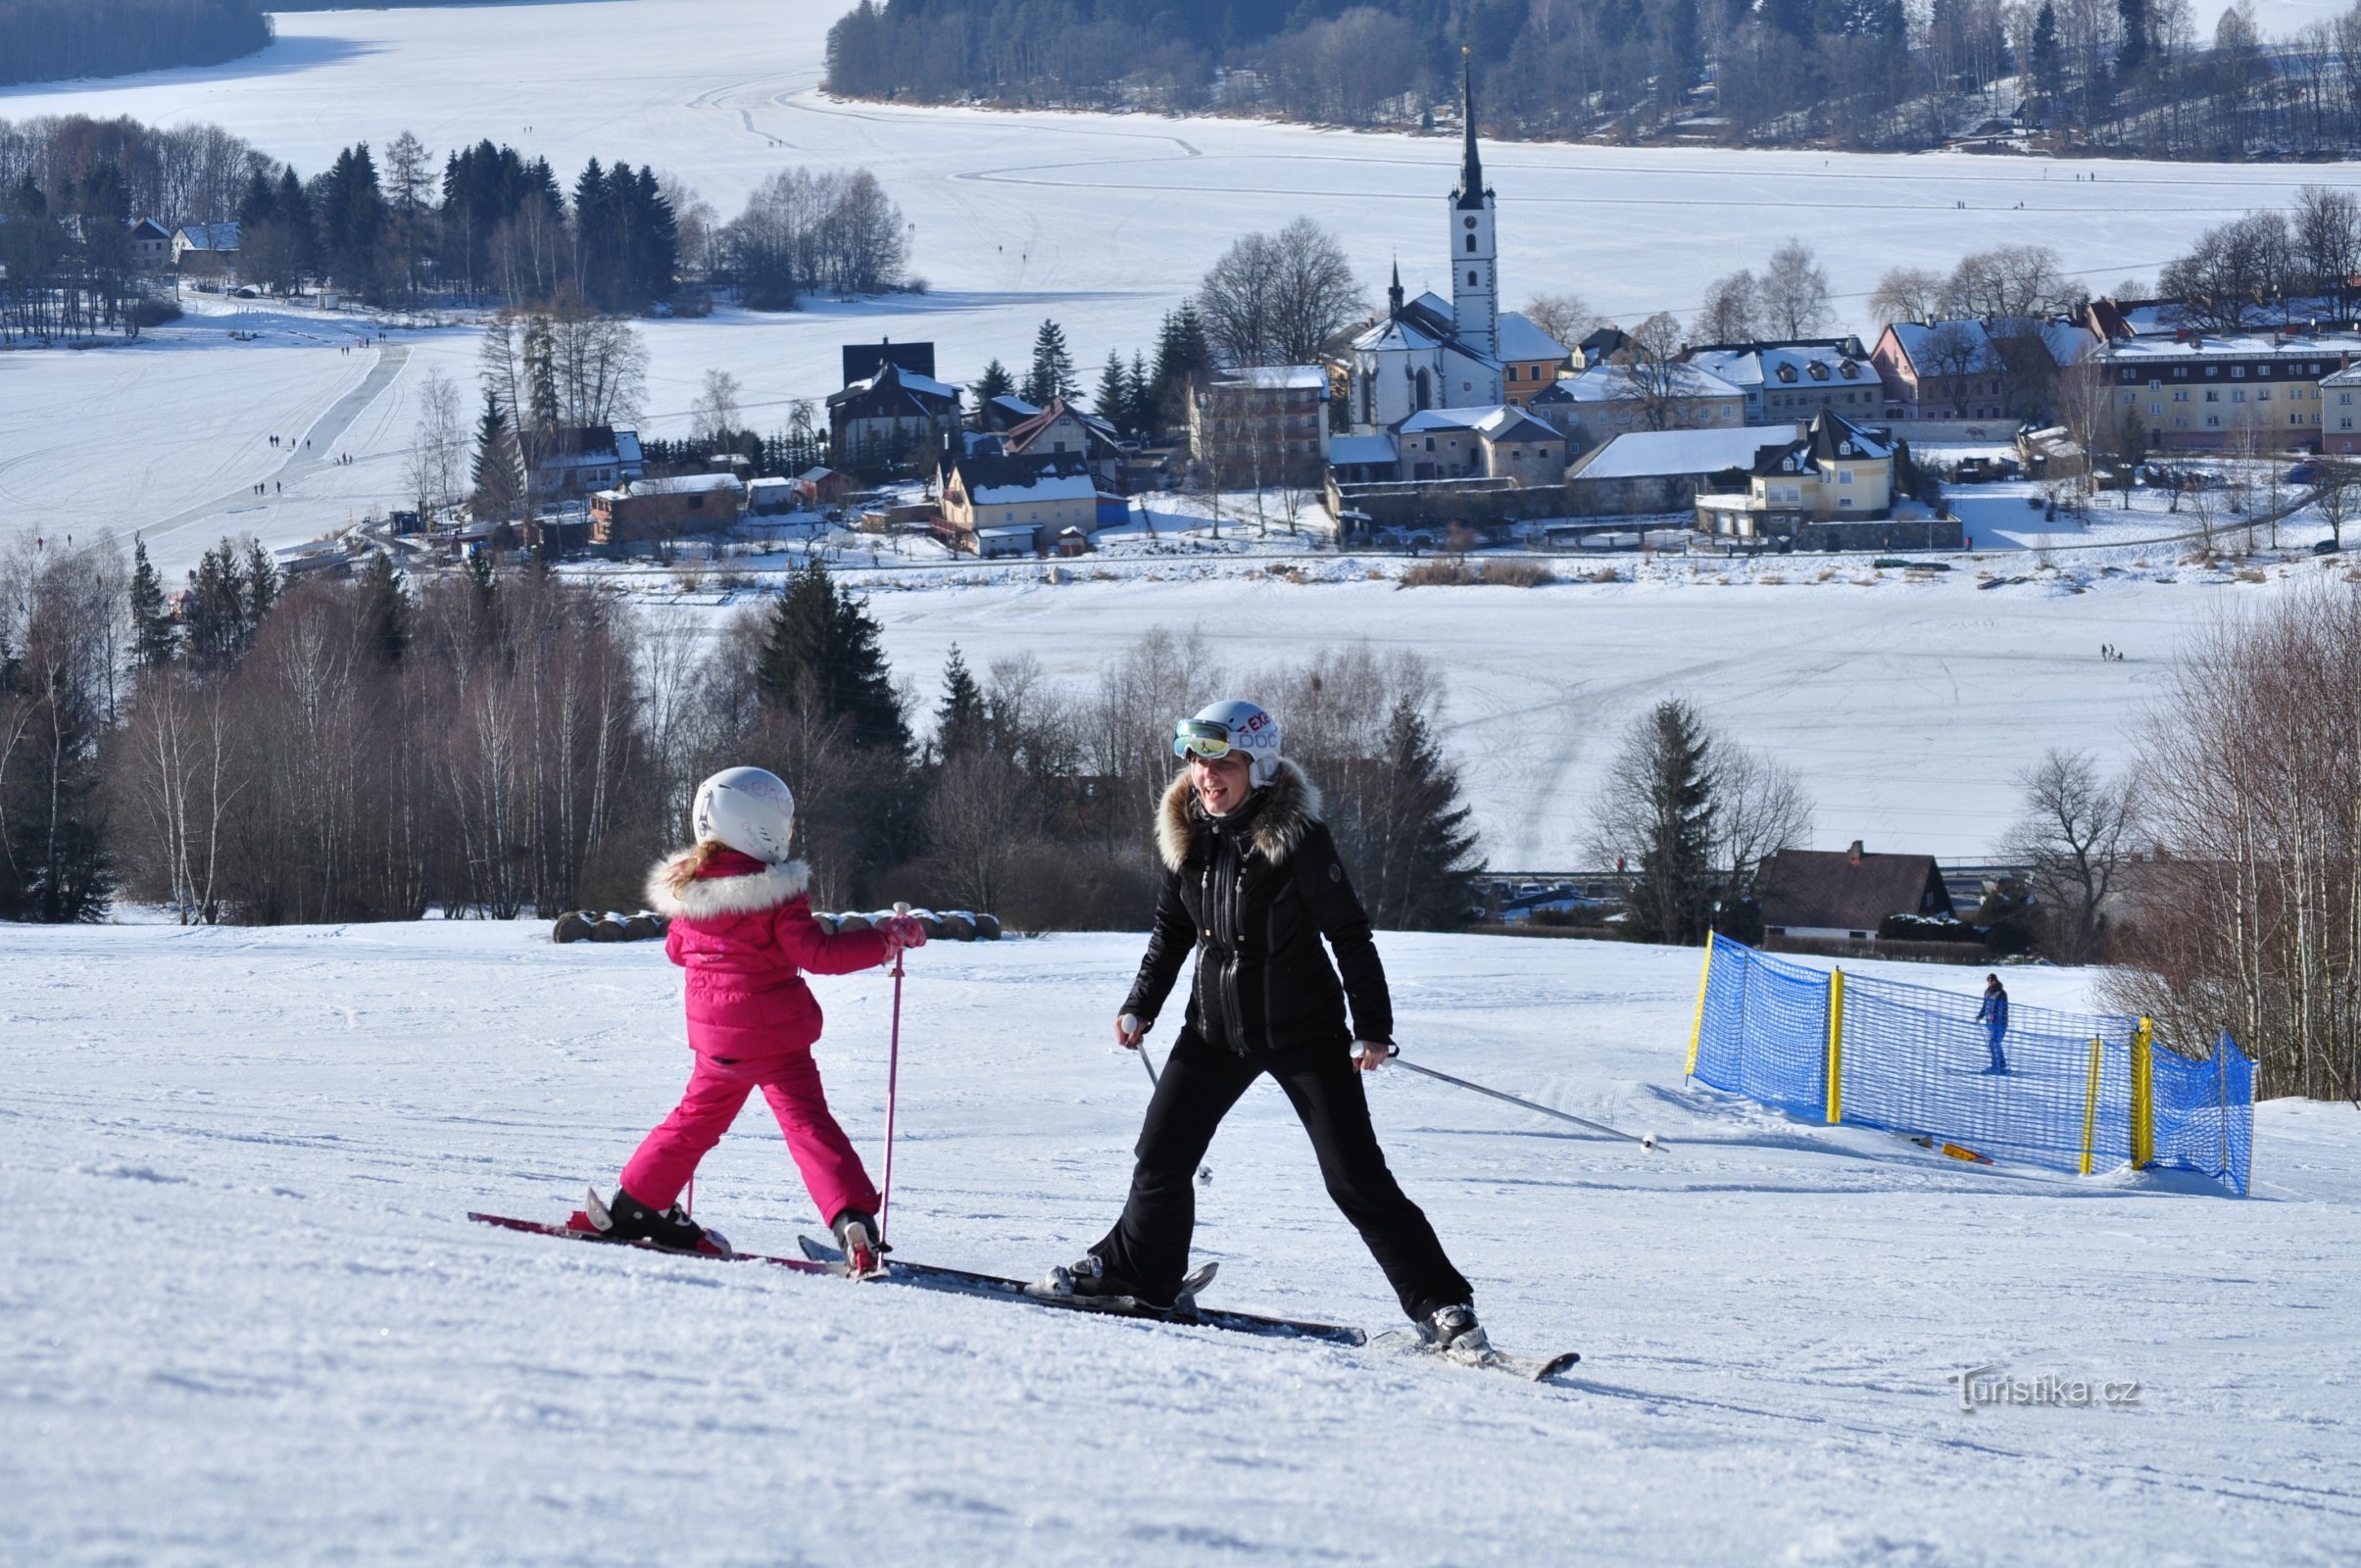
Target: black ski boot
column 627, row 1219
column 857, row 1238
column 1086, row 1276
column 1455, row 1331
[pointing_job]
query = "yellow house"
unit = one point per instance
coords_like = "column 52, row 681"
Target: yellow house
column 994, row 494
column 1835, row 472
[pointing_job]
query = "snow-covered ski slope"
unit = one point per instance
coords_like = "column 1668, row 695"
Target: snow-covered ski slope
column 243, row 1318
column 1101, row 222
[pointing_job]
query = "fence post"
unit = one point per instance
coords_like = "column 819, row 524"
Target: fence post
column 2144, row 1094
column 2091, row 1107
column 1697, row 1028
column 1835, row 1046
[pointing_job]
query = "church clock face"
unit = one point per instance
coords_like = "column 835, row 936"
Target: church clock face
column 1467, row 222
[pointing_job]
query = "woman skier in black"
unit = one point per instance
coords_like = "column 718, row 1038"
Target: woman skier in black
column 1251, row 884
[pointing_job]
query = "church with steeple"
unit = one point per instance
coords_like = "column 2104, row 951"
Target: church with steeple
column 1460, row 353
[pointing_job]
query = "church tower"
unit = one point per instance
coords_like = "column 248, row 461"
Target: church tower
column 1475, row 262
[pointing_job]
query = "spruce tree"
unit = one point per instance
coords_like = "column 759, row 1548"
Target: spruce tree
column 1422, row 852
column 1671, row 900
column 826, row 641
column 995, row 382
column 1183, row 353
column 499, row 480
column 2048, row 59
column 1112, row 402
column 154, row 640
column 385, row 607
column 263, row 587
column 963, row 721
column 2134, row 53
column 1052, row 373
column 1139, row 409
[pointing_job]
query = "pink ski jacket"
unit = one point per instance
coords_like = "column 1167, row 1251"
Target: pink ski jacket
column 743, row 932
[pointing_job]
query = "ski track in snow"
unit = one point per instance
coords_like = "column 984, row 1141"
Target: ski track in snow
column 243, row 1318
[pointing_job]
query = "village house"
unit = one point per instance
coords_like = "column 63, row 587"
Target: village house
column 884, row 419
column 580, row 459
column 1976, row 370
column 206, row 250
column 1059, row 431
column 1844, row 896
column 1650, row 473
column 1530, row 358
column 1495, row 443
column 2196, row 391
column 1836, row 472
column 151, row 245
column 993, row 503
column 863, row 361
column 1786, row 382
column 1260, row 425
column 2339, row 410
column 665, row 508
column 1594, row 406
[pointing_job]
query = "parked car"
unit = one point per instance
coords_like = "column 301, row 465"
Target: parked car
column 2326, row 547
column 2304, row 473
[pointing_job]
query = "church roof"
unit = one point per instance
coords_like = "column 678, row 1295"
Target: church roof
column 1469, row 197
column 1520, row 339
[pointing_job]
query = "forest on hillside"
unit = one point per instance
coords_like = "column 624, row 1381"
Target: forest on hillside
column 56, row 41
column 2129, row 76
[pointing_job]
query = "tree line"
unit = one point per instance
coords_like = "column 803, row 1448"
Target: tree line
column 2127, row 75
column 504, row 743
column 56, row 41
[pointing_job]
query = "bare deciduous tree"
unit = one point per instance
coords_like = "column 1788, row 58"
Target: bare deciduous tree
column 1567, row 317
column 1732, row 310
column 1794, row 292
column 1905, row 294
column 1274, row 299
column 2075, row 836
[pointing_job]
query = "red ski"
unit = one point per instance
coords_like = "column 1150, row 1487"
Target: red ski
column 577, row 1227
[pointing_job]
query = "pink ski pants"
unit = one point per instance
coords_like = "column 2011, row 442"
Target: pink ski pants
column 668, row 1156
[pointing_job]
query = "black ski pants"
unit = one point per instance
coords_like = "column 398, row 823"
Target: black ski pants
column 1149, row 1247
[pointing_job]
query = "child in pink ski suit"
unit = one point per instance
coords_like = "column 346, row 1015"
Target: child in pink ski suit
column 743, row 929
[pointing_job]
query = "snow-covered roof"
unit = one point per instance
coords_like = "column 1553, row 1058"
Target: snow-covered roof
column 1496, row 422
column 1279, row 377
column 208, row 236
column 1756, row 364
column 1961, row 347
column 1361, row 448
column 1048, row 487
column 1662, row 454
column 1520, row 339
column 680, row 484
column 627, row 444
column 769, row 484
column 2324, row 349
column 1619, row 383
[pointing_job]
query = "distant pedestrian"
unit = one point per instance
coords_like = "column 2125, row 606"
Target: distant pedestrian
column 1994, row 1015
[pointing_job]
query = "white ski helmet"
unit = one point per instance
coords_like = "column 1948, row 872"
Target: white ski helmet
column 1235, row 725
column 749, row 809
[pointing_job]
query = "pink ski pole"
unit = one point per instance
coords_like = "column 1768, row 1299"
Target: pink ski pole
column 893, row 1079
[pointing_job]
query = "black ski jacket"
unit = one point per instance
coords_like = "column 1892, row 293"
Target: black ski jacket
column 1252, row 894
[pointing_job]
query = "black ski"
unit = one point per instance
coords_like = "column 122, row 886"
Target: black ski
column 1532, row 1368
column 959, row 1281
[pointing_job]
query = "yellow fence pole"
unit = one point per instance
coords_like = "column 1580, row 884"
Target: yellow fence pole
column 1696, row 1027
column 1835, row 1046
column 2144, row 1096
column 2091, row 1107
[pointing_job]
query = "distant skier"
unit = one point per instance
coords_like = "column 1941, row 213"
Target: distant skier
column 1251, row 883
column 1994, row 1015
column 742, row 927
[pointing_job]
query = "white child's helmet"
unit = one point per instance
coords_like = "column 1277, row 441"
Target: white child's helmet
column 1236, row 725
column 749, row 809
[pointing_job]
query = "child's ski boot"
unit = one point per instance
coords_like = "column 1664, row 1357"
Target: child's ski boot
column 857, row 1238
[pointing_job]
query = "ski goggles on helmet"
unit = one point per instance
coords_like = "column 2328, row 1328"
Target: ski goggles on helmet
column 1201, row 737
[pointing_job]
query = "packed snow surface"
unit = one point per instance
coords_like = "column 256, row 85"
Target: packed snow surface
column 243, row 1318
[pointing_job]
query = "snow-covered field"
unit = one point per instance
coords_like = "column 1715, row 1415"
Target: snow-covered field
column 1102, row 222
column 243, row 1320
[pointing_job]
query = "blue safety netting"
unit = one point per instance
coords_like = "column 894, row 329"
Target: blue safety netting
column 1915, row 1059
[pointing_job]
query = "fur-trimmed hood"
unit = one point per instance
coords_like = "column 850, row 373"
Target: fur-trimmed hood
column 1290, row 804
column 708, row 898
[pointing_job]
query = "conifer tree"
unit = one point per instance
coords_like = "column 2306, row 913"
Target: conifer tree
column 153, row 637
column 1053, row 373
column 828, row 640
column 961, row 719
column 1113, row 400
column 1420, row 853
column 1666, row 766
column 1139, row 409
column 1183, row 353
column 498, row 474
column 385, row 607
column 995, row 382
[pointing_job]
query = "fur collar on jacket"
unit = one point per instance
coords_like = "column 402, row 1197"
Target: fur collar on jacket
column 1290, row 804
column 708, row 898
